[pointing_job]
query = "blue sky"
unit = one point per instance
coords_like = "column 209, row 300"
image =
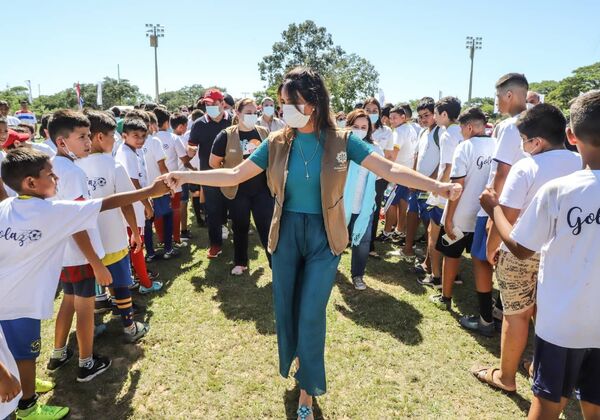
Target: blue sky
column 418, row 47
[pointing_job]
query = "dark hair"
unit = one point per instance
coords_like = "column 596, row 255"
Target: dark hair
column 385, row 111
column 426, row 103
column 360, row 113
column 511, row 80
column 177, row 119
column 100, row 121
column 162, row 115
column 196, row 113
column 134, row 124
column 472, row 114
column 585, row 117
column 374, row 101
column 407, row 109
column 398, row 110
column 115, row 111
column 228, row 99
column 152, row 117
column 450, row 105
column 138, row 114
column 28, row 127
column 543, row 120
column 359, row 105
column 305, row 82
column 150, row 106
column 44, row 124
column 64, row 121
column 21, row 163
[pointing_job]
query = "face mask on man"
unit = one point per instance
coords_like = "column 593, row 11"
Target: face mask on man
column 213, row 111
column 269, row 111
column 293, row 117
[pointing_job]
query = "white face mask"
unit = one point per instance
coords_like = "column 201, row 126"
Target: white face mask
column 374, row 118
column 269, row 111
column 250, row 120
column 361, row 134
column 293, row 117
column 341, row 123
column 529, row 106
column 213, row 111
column 72, row 155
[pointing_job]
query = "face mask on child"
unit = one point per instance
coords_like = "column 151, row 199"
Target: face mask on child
column 72, row 155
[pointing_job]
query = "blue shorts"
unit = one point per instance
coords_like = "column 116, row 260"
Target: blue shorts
column 23, row 337
column 401, row 194
column 435, row 214
column 121, row 272
column 557, row 371
column 418, row 205
column 185, row 193
column 161, row 205
column 479, row 247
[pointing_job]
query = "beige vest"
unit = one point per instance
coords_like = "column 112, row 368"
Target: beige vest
column 234, row 154
column 334, row 168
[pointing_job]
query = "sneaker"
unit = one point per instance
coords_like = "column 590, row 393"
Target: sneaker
column 43, row 412
column 386, row 237
column 102, row 306
column 186, row 235
column 140, row 330
column 421, row 270
column 96, row 367
column 224, row 232
column 135, row 284
column 400, row 253
column 374, row 254
column 214, row 251
column 180, row 244
column 430, row 281
column 168, row 255
column 359, row 283
column 497, row 313
column 99, row 330
column 55, row 363
column 441, row 302
column 153, row 275
column 238, row 270
column 151, row 258
column 475, row 323
column 156, row 286
column 41, row 386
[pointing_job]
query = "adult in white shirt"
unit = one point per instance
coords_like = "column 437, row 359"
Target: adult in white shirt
column 542, row 130
column 25, row 115
column 268, row 119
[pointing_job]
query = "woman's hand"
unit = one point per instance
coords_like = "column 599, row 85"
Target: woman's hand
column 448, row 190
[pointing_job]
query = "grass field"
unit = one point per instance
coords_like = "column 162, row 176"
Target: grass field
column 211, row 351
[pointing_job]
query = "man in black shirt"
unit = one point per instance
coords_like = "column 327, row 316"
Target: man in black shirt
column 202, row 135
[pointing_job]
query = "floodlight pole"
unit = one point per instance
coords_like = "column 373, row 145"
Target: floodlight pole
column 473, row 43
column 155, row 31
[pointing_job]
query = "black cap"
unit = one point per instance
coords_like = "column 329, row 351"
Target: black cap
column 228, row 99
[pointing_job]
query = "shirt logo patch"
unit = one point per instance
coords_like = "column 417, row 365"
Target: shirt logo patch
column 22, row 237
column 96, row 183
column 342, row 162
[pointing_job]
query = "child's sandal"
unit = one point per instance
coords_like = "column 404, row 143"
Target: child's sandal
column 304, row 412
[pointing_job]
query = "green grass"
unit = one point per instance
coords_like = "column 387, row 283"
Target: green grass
column 211, row 351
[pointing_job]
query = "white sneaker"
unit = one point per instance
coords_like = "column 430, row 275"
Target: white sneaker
column 225, row 232
column 238, row 270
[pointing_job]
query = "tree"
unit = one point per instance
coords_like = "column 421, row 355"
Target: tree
column 544, row 87
column 14, row 96
column 486, row 104
column 348, row 76
column 187, row 95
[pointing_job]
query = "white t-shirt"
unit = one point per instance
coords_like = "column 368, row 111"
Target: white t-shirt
column 509, row 148
column 107, row 177
column 48, row 142
column 428, row 152
column 12, row 121
column 403, row 138
column 9, row 191
column 472, row 162
column 44, row 148
column 562, row 223
column 7, row 359
column 383, row 137
column 33, row 238
column 174, row 150
column 153, row 153
column 449, row 140
column 528, row 175
column 131, row 162
column 73, row 185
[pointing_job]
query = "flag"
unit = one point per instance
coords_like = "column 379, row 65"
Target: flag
column 99, row 94
column 79, row 97
column 381, row 96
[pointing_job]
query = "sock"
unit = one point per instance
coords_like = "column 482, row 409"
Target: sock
column 499, row 302
column 28, row 403
column 85, row 362
column 125, row 305
column 485, row 306
column 59, row 353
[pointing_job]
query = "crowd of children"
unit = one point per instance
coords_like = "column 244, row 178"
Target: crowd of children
column 84, row 206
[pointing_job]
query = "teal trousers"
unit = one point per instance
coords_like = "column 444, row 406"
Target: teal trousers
column 304, row 270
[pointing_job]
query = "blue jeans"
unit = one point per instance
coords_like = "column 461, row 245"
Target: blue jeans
column 360, row 252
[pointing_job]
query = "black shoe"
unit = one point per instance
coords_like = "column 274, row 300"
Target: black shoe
column 54, row 364
column 96, row 367
column 458, row 279
column 102, row 306
column 170, row 254
column 186, row 234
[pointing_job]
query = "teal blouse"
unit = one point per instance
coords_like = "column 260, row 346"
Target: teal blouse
column 302, row 194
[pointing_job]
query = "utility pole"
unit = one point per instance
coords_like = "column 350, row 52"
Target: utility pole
column 118, row 74
column 473, row 43
column 155, row 31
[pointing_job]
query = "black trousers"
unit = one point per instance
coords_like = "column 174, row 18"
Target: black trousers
column 380, row 186
column 216, row 207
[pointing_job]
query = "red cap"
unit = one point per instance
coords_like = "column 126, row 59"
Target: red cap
column 14, row 136
column 212, row 95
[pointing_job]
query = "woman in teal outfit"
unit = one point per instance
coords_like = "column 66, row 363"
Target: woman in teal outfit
column 306, row 165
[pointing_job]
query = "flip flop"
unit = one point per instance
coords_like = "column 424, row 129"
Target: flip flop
column 486, row 375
